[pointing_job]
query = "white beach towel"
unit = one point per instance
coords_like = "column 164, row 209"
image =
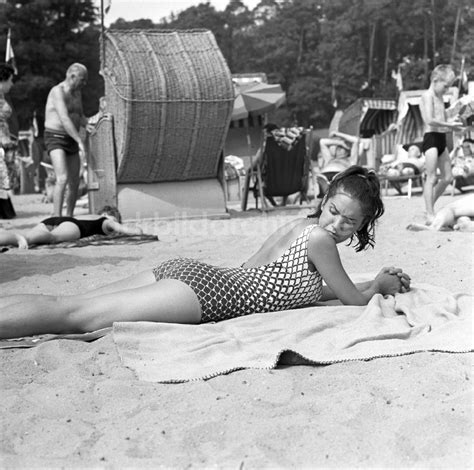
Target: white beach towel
column 425, row 319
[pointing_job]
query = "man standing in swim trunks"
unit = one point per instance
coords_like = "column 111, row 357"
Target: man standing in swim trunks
column 63, row 119
column 434, row 140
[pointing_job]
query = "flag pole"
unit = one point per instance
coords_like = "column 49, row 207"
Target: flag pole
column 8, row 46
column 102, row 29
column 461, row 75
column 9, row 54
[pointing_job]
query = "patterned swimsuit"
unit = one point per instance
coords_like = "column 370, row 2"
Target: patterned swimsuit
column 225, row 293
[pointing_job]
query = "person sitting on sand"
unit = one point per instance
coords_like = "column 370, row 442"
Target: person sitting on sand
column 188, row 291
column 456, row 215
column 64, row 229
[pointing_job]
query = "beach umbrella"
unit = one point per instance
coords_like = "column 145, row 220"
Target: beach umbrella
column 256, row 99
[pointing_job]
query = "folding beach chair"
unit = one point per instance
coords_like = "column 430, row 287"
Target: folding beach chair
column 397, row 182
column 399, row 177
column 278, row 173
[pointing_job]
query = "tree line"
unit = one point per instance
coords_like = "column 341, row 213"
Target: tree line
column 322, row 52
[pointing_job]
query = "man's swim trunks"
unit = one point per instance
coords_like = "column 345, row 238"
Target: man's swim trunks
column 54, row 140
column 86, row 227
column 434, row 139
column 225, row 293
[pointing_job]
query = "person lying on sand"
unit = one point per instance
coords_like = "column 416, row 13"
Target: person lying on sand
column 456, row 215
column 189, row 291
column 64, row 229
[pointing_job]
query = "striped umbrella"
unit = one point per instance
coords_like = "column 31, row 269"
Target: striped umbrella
column 256, row 99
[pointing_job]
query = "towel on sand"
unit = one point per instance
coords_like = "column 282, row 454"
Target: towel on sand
column 425, row 319
column 32, row 341
column 112, row 239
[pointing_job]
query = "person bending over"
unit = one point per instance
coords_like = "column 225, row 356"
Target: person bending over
column 188, row 291
column 65, row 229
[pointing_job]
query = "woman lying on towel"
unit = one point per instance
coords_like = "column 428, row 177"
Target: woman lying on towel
column 456, row 215
column 189, row 291
column 66, row 229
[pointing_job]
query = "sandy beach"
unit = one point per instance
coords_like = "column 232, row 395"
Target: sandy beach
column 70, row 404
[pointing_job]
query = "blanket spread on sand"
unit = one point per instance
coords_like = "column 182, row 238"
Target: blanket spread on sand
column 112, row 239
column 425, row 319
column 32, row 341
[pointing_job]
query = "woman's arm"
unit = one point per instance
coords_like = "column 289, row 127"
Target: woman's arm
column 325, row 151
column 366, row 287
column 350, row 138
column 356, row 145
column 110, row 226
column 328, row 294
column 323, row 253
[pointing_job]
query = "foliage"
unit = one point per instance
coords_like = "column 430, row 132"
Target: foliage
column 322, row 49
column 317, row 50
column 48, row 36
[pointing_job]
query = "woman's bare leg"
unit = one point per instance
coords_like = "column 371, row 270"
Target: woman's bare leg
column 42, row 235
column 449, row 216
column 444, row 218
column 142, row 279
column 13, row 299
column 12, row 238
column 39, row 235
column 464, row 206
column 168, row 300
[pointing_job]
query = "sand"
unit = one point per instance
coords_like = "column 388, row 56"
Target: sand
column 69, row 404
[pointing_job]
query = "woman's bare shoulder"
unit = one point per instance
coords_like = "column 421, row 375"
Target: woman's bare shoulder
column 321, row 241
column 304, row 222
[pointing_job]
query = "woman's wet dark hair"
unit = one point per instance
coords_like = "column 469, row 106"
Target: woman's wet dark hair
column 112, row 211
column 6, row 71
column 364, row 186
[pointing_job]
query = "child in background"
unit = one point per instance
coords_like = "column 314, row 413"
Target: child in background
column 434, row 140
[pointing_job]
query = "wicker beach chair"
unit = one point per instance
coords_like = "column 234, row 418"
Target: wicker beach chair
column 170, row 97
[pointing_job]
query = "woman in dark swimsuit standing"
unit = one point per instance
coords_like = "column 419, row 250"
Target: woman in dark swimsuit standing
column 65, row 229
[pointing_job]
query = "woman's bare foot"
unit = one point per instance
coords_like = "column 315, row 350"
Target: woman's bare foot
column 429, row 219
column 21, row 241
column 418, row 227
